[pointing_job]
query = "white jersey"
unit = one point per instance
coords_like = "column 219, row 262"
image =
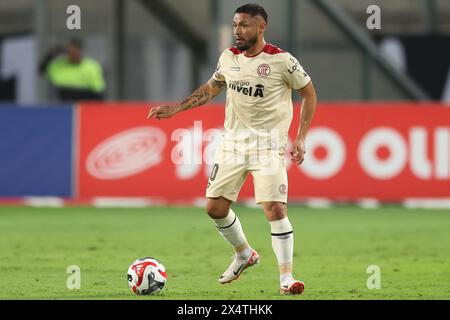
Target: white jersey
column 258, row 110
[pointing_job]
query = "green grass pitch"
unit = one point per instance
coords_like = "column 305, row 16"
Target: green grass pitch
column 333, row 248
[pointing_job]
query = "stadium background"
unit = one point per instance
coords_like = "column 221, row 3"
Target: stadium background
column 381, row 134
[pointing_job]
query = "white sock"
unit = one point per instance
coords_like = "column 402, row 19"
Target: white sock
column 283, row 246
column 230, row 228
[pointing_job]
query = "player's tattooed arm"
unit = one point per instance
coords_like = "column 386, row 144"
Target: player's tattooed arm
column 202, row 95
column 199, row 97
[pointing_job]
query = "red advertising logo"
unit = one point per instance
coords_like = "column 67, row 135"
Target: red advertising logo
column 126, row 153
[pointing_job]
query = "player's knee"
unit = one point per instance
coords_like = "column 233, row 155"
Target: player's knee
column 277, row 211
column 216, row 208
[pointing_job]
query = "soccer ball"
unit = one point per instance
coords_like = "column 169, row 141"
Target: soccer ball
column 146, row 276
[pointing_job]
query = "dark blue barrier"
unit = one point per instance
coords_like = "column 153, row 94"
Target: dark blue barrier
column 35, row 151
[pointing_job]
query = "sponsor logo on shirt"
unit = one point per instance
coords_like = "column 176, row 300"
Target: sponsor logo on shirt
column 295, row 65
column 245, row 88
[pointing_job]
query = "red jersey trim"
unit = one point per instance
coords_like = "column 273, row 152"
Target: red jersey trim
column 235, row 50
column 268, row 48
column 271, row 49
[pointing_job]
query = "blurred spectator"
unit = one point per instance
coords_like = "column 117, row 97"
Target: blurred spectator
column 73, row 76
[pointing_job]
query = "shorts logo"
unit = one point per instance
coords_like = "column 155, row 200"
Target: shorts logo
column 263, row 70
column 282, row 189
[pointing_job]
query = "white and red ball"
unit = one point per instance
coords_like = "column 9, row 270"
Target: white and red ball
column 146, row 276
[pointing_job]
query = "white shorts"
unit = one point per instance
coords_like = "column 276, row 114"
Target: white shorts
column 230, row 170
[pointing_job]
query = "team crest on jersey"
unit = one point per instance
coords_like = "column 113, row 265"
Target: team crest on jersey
column 263, row 70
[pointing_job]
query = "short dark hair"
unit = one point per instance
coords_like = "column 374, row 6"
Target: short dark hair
column 254, row 10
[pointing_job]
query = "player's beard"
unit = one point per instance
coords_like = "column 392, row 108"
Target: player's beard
column 247, row 44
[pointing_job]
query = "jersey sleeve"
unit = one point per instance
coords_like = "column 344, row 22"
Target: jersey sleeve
column 294, row 74
column 218, row 73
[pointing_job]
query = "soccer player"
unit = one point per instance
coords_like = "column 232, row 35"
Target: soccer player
column 259, row 78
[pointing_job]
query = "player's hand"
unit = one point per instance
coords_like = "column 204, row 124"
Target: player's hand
column 298, row 152
column 161, row 112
